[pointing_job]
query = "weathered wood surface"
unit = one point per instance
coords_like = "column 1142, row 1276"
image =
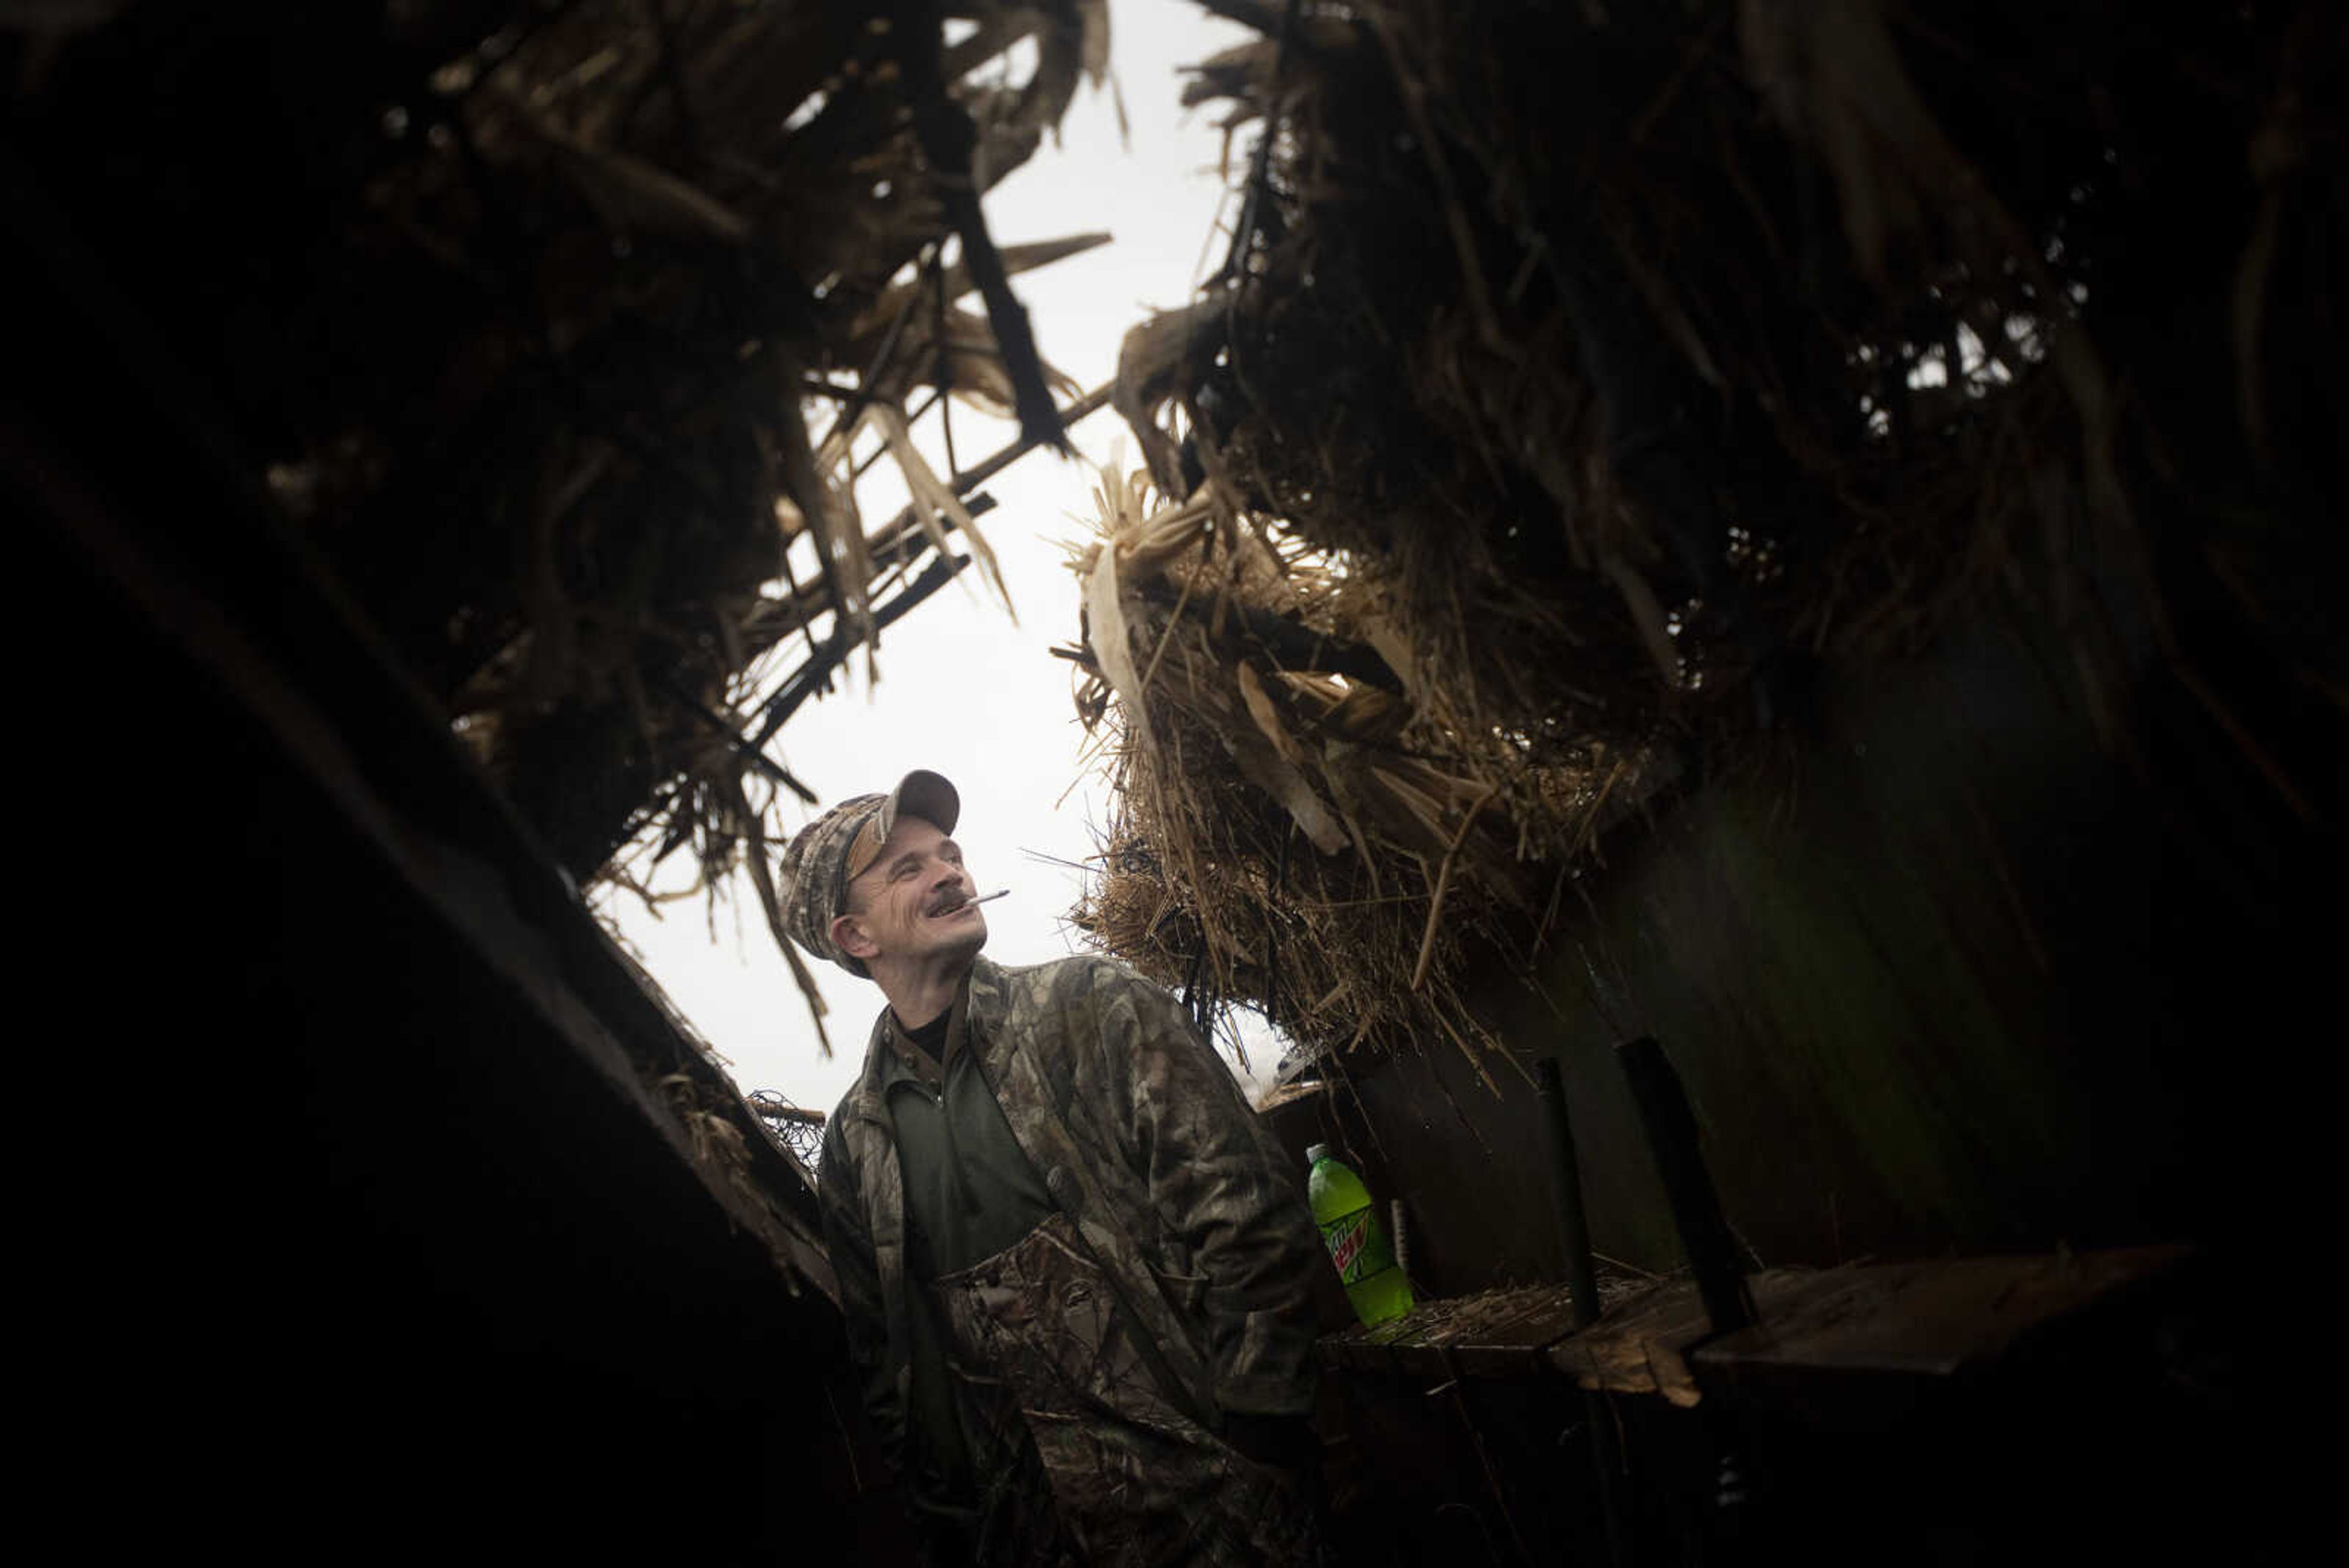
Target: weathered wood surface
column 1931, row 1320
column 1936, row 1319
column 1493, row 1333
column 1371, row 1348
column 1640, row 1347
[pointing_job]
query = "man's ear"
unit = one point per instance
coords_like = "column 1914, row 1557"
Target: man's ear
column 848, row 933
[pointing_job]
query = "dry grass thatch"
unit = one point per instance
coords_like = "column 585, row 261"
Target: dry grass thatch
column 556, row 327
column 1585, row 380
column 1298, row 825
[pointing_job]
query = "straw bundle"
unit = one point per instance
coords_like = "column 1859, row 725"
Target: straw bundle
column 1639, row 363
column 1293, row 828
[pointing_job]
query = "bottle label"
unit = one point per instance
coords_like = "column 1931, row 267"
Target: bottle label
column 1353, row 1247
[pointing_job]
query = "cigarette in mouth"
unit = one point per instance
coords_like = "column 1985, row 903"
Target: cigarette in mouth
column 991, row 898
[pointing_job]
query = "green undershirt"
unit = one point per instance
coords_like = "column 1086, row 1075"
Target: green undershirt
column 970, row 1192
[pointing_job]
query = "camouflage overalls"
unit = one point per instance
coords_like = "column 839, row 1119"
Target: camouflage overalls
column 1168, row 1286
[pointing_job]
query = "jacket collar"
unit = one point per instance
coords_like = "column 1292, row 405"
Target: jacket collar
column 980, row 1005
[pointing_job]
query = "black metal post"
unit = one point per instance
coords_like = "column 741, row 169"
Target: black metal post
column 1711, row 1251
column 1671, row 1133
column 1581, row 1274
column 1582, row 1281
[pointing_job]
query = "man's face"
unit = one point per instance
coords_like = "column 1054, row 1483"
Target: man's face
column 912, row 903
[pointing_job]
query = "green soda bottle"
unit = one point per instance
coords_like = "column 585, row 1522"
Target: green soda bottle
column 1357, row 1242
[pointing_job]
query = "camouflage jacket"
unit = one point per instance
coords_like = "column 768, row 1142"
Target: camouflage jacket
column 1145, row 1146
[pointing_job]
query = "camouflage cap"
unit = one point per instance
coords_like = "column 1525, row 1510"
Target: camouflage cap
column 829, row 853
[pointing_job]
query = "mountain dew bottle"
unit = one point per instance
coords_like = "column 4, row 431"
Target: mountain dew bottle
column 1357, row 1242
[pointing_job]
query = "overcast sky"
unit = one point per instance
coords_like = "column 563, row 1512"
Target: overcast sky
column 962, row 689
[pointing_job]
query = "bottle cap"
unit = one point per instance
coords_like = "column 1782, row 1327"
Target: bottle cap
column 1318, row 1153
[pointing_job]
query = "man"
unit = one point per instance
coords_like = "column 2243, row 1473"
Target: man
column 1073, row 1264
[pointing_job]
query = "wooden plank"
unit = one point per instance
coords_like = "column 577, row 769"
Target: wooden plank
column 1493, row 1333
column 1505, row 1332
column 1640, row 1346
column 1409, row 1344
column 1931, row 1320
column 1431, row 1348
column 1289, row 1094
column 1620, row 1352
column 1921, row 1322
column 1514, row 1345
